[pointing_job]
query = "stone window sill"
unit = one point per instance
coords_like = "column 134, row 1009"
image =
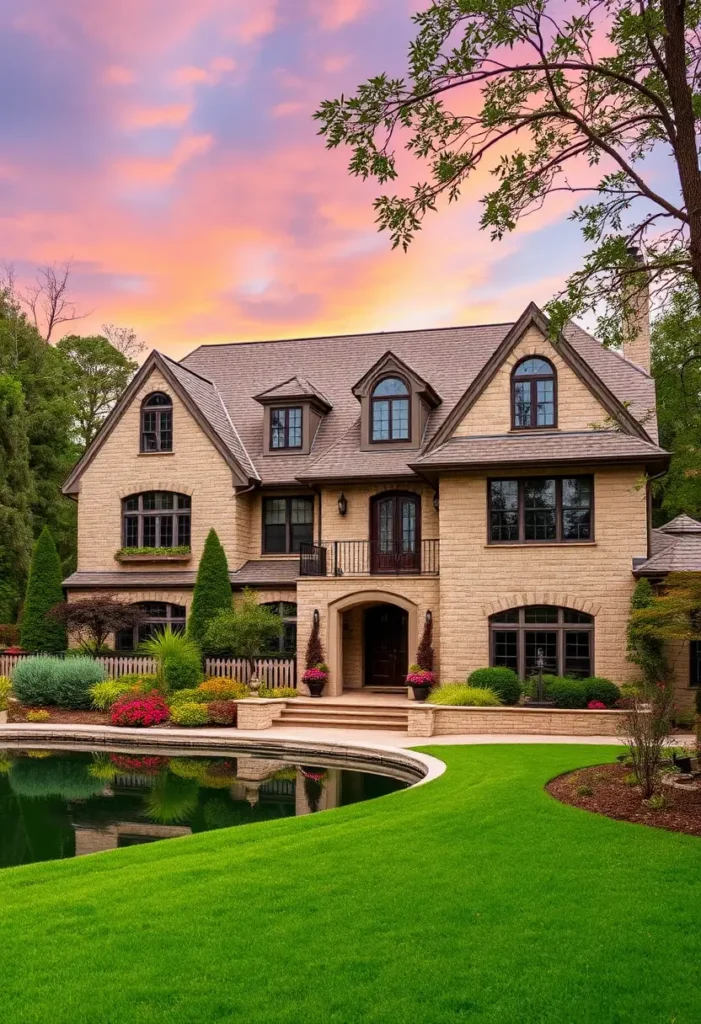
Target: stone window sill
column 568, row 545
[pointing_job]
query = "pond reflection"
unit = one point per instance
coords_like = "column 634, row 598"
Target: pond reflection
column 55, row 805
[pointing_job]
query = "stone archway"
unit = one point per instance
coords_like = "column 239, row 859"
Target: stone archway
column 336, row 610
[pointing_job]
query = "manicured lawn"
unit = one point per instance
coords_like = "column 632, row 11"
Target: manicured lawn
column 474, row 898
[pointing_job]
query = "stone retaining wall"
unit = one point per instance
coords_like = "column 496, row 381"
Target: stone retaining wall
column 436, row 720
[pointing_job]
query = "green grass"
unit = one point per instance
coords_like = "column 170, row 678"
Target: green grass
column 473, row 898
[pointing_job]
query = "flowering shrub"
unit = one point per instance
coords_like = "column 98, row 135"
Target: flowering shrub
column 596, row 705
column 150, row 765
column 222, row 712
column 421, row 678
column 144, row 711
column 224, row 689
column 314, row 675
column 315, row 774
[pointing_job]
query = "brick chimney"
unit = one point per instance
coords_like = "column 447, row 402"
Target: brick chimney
column 636, row 331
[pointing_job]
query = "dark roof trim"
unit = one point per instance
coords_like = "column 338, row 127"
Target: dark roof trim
column 390, row 362
column 532, row 315
column 155, row 361
column 355, row 477
column 547, row 460
column 299, row 393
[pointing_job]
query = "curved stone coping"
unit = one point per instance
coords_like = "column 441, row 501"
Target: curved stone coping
column 407, row 765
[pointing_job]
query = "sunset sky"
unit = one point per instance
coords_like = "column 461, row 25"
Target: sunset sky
column 168, row 149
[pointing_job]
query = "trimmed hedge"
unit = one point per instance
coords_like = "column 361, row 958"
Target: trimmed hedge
column 462, row 695
column 571, row 693
column 39, row 631
column 504, row 681
column 65, row 683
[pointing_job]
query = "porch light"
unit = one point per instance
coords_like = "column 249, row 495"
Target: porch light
column 342, row 504
column 436, row 501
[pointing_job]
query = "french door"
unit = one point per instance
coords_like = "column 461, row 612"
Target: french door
column 396, row 533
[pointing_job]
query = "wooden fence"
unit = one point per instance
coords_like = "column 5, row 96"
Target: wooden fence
column 275, row 672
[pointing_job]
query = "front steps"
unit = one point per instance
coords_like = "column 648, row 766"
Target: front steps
column 323, row 714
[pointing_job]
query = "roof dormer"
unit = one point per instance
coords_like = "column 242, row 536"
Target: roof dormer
column 394, row 405
column 292, row 413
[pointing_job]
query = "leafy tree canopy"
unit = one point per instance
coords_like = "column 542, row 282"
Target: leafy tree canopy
column 16, row 496
column 91, row 621
column 247, row 631
column 539, row 93
column 98, row 373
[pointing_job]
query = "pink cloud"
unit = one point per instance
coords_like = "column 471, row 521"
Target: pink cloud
column 118, row 75
column 172, row 116
column 287, row 109
column 159, row 171
column 213, row 73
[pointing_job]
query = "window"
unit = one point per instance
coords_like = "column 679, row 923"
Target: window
column 559, row 509
column 156, row 519
column 564, row 637
column 389, row 411
column 158, row 615
column 157, row 423
column 287, row 610
column 533, row 398
column 287, row 524
column 695, row 663
column 286, row 428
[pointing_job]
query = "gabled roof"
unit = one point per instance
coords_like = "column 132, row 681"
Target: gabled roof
column 294, row 387
column 203, row 401
column 389, row 363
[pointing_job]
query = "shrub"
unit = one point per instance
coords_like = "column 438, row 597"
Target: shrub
column 503, row 681
column 248, row 630
column 282, row 692
column 5, row 691
column 65, row 683
column 222, row 712
column 56, row 776
column 212, row 593
column 190, row 713
column 40, row 632
column 628, row 692
column 460, row 694
column 603, row 690
column 564, row 691
column 140, row 711
column 190, row 696
column 315, row 651
column 104, row 695
column 178, row 656
column 38, row 716
column 424, row 652
column 224, row 689
column 145, row 681
column 9, row 634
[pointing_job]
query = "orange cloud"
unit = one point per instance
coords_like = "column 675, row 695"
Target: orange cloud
column 155, row 171
column 192, row 75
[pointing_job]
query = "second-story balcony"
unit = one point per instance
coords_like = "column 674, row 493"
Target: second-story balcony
column 370, row 558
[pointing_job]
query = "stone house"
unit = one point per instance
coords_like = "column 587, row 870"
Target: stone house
column 487, row 476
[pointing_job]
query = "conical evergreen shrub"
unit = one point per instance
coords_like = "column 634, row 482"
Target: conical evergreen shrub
column 39, row 631
column 212, row 593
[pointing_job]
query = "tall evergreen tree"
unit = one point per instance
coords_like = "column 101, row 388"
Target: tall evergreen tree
column 39, row 631
column 16, row 496
column 212, row 593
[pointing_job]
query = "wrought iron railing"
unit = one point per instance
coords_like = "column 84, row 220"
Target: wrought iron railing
column 369, row 558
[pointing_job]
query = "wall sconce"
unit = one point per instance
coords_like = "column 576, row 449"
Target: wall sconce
column 316, row 617
column 429, row 618
column 342, row 504
column 436, row 501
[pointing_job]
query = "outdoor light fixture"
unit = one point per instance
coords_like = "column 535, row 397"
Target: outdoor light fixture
column 342, row 504
column 316, row 616
column 429, row 618
column 436, row 502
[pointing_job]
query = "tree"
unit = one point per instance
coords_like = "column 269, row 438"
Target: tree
column 248, row 630
column 49, row 300
column 424, row 652
column 539, row 94
column 645, row 649
column 16, row 496
column 124, row 339
column 315, row 652
column 38, row 630
column 212, row 593
column 90, row 621
column 98, row 373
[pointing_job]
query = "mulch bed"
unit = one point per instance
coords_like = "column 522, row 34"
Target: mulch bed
column 64, row 716
column 613, row 798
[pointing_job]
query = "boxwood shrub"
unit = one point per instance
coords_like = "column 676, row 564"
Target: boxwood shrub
column 504, row 681
column 598, row 688
column 462, row 695
column 565, row 691
column 65, row 683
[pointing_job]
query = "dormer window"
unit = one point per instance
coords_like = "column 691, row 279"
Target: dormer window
column 157, row 423
column 533, row 401
column 391, row 411
column 286, row 428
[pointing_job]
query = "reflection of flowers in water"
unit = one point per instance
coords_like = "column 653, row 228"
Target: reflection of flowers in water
column 313, row 786
column 148, row 765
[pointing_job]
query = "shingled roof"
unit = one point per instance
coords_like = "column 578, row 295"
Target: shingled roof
column 676, row 547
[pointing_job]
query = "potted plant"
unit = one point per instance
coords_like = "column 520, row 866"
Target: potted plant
column 421, row 681
column 315, row 679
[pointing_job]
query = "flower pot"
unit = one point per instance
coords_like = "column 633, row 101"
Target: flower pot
column 316, row 687
column 420, row 692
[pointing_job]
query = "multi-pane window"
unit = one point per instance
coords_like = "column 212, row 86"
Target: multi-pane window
column 156, row 519
column 286, row 428
column 390, row 413
column 533, row 394
column 157, row 615
column 287, row 610
column 541, row 509
column 287, row 524
column 157, row 423
column 561, row 637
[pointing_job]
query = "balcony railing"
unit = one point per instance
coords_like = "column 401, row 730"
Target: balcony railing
column 369, row 558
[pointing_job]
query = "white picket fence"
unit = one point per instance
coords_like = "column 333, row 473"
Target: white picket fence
column 275, row 672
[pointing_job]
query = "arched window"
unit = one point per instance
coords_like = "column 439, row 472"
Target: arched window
column 157, row 615
column 390, row 411
column 156, row 519
column 533, row 394
column 157, row 423
column 564, row 636
column 287, row 610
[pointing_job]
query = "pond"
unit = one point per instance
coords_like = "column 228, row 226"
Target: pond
column 58, row 804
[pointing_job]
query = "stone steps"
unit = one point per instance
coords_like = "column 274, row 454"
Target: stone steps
column 344, row 716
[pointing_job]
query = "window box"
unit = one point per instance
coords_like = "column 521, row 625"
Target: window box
column 177, row 554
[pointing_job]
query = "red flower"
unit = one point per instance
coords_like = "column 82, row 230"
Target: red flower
column 140, row 711
column 139, row 765
column 596, row 705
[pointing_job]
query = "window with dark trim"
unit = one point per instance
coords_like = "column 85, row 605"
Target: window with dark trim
column 286, row 428
column 533, row 394
column 287, row 524
column 287, row 610
column 156, row 519
column 695, row 663
column 158, row 615
column 564, row 636
column 157, row 423
column 390, row 411
column 532, row 509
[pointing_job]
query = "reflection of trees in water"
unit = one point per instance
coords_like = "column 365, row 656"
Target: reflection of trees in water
column 61, row 777
column 314, row 779
column 171, row 799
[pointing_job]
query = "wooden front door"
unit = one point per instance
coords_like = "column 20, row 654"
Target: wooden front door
column 386, row 645
column 396, row 528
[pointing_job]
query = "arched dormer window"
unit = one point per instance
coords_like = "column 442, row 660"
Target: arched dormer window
column 390, row 409
column 533, row 394
column 157, row 423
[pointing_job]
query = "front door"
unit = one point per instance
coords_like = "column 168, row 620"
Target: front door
column 396, row 523
column 386, row 643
